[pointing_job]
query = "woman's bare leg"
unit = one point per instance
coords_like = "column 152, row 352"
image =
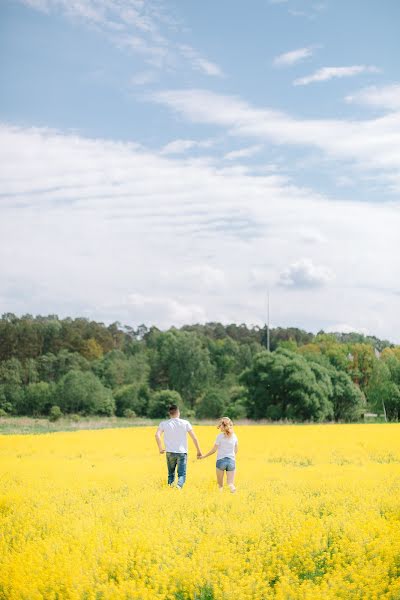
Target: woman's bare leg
column 230, row 478
column 220, row 478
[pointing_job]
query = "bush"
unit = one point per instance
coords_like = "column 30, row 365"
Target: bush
column 2, row 413
column 55, row 413
column 161, row 401
column 129, row 414
column 75, row 418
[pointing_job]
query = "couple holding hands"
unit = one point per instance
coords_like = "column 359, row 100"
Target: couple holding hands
column 175, row 432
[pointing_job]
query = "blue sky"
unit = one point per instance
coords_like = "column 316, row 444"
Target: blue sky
column 167, row 162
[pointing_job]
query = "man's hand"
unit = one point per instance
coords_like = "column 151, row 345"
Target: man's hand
column 162, row 451
column 199, row 455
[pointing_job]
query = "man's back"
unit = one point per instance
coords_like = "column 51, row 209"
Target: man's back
column 175, row 434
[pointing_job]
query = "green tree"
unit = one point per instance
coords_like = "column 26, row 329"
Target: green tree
column 282, row 384
column 161, row 401
column 211, row 405
column 132, row 397
column 179, row 361
column 117, row 369
column 82, row 392
column 38, row 399
column 348, row 400
column 382, row 392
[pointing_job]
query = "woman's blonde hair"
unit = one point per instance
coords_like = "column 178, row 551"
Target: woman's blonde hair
column 226, row 426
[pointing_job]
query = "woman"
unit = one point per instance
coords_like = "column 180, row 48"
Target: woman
column 227, row 446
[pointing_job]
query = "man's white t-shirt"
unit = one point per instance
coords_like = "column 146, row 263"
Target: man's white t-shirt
column 175, row 434
column 226, row 446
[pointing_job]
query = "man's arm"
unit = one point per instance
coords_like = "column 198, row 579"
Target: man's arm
column 195, row 441
column 158, row 440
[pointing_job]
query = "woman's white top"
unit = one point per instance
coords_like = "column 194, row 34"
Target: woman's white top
column 226, row 446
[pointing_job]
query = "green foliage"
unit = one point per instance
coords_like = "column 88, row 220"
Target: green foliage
column 161, row 401
column 383, row 391
column 201, row 362
column 55, row 413
column 83, row 392
column 348, row 400
column 211, row 405
column 117, row 369
column 283, row 385
column 181, row 362
column 129, row 414
column 38, row 399
column 132, row 397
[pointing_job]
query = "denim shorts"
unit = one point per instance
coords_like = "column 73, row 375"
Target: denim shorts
column 226, row 464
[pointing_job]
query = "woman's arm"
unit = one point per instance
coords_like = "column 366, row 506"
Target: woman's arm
column 236, row 448
column 212, row 451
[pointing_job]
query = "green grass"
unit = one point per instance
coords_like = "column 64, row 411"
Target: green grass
column 16, row 425
column 31, row 425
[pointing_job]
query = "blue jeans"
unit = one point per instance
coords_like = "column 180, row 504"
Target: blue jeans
column 176, row 459
column 226, row 464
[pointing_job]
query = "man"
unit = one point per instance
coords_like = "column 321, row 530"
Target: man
column 175, row 432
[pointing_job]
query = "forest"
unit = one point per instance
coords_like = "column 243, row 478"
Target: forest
column 53, row 367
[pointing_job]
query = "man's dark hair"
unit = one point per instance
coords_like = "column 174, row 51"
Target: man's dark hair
column 173, row 409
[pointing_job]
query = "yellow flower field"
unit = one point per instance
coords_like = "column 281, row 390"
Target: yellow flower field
column 87, row 515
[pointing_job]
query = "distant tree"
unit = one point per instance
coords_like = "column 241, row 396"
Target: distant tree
column 70, row 361
column 383, row 393
column 211, row 405
column 282, row 384
column 47, row 367
column 348, row 400
column 132, row 397
column 83, row 392
column 161, row 401
column 236, row 403
column 360, row 364
column 91, row 349
column 117, row 369
column 180, row 362
column 38, row 399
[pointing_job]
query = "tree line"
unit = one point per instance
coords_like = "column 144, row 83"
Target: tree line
column 51, row 366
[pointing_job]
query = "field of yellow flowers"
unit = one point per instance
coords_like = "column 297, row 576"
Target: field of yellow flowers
column 87, row 516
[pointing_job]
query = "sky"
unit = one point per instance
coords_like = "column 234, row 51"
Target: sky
column 168, row 162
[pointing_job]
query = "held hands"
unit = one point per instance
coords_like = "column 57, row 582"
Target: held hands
column 162, row 451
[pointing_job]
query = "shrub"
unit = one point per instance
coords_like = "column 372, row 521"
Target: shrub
column 129, row 414
column 55, row 413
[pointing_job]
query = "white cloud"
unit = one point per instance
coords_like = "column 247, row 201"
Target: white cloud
column 182, row 146
column 293, row 57
column 200, row 63
column 243, row 152
column 327, row 73
column 116, row 232
column 169, row 310
column 387, row 97
column 371, row 145
column 345, row 328
column 144, row 77
column 142, row 27
column 304, row 274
